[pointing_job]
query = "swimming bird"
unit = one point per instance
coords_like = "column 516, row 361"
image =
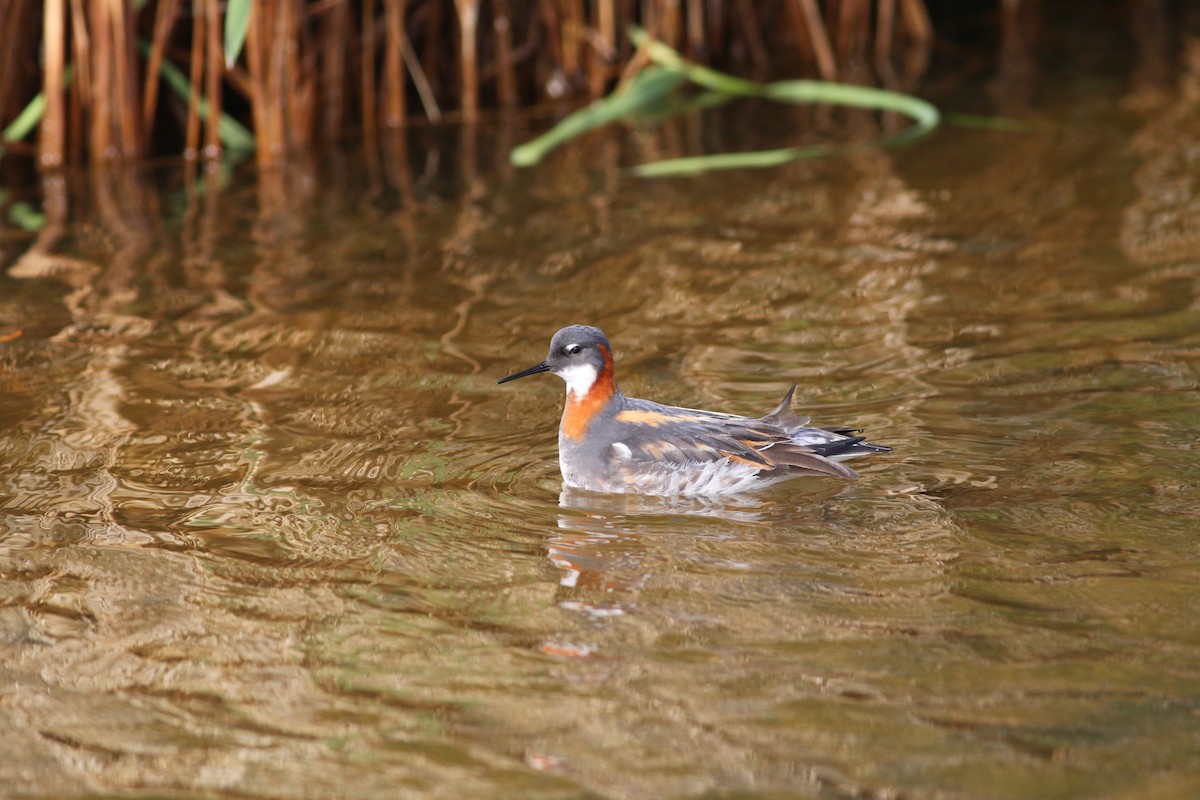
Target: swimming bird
column 609, row 442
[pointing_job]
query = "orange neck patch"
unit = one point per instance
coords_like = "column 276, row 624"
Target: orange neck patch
column 579, row 411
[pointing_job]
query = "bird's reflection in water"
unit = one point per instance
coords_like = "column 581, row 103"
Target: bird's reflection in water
column 614, row 544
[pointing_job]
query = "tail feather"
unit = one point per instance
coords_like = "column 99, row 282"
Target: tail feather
column 782, row 414
column 813, row 451
column 801, row 458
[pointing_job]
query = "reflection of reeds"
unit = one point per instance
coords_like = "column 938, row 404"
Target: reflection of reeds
column 297, row 69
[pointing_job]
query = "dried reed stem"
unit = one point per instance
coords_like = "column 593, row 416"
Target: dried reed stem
column 916, row 19
column 164, row 19
column 885, row 24
column 695, row 30
column 571, row 35
column 424, row 89
column 52, row 136
column 819, row 37
column 854, row 20
column 367, row 73
column 506, row 69
column 752, row 35
column 214, row 66
column 334, row 28
column 265, row 82
column 431, row 63
column 603, row 51
column 717, row 25
column 393, row 64
column 192, row 136
column 77, row 96
column 125, row 71
column 101, row 128
column 300, row 78
column 276, row 43
column 554, row 49
column 670, row 24
column 606, row 27
column 82, row 47
column 12, row 24
column 468, row 21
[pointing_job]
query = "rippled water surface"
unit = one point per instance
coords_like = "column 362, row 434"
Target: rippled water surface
column 268, row 528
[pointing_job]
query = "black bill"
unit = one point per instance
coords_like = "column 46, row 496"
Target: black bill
column 534, row 370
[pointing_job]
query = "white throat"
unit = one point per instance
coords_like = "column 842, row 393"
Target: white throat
column 579, row 378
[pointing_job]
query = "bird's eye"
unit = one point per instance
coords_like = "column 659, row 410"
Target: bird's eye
column 573, row 349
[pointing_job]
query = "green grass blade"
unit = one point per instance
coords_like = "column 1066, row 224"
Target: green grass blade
column 666, row 57
column 758, row 159
column 26, row 217
column 925, row 115
column 27, row 120
column 679, row 106
column 922, row 113
column 673, row 69
column 978, row 122
column 237, row 22
column 30, row 116
column 648, row 88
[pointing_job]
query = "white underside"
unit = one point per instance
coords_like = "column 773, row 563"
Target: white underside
column 708, row 477
column 661, row 478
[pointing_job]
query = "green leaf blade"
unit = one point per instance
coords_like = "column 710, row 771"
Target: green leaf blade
column 648, row 88
column 672, row 69
column 237, row 23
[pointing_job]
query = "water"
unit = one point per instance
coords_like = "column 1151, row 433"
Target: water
column 269, row 529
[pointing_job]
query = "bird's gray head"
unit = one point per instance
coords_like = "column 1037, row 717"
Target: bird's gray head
column 579, row 354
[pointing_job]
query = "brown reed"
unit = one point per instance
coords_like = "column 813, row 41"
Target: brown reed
column 12, row 25
column 506, row 68
column 52, row 134
column 213, row 69
column 393, row 64
column 307, row 66
column 468, row 23
column 367, row 73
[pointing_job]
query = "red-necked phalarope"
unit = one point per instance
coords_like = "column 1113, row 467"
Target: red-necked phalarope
column 608, row 442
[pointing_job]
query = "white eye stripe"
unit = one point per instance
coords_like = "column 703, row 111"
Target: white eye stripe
column 573, row 349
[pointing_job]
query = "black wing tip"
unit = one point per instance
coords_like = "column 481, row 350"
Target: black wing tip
column 852, row 443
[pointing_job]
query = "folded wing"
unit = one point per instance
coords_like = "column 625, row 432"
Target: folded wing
column 701, row 436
